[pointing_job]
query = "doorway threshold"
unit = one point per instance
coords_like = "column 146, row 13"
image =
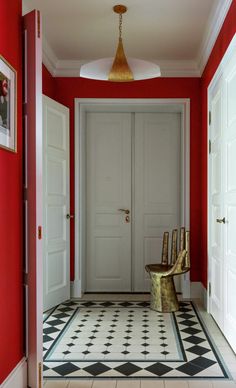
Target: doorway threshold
column 116, row 296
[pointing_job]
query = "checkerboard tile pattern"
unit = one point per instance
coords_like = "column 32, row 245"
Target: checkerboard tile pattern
column 127, row 340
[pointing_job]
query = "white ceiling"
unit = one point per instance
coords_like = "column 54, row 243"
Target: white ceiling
column 177, row 34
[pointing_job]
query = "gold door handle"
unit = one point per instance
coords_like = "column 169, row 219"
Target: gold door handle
column 220, row 220
column 69, row 216
column 126, row 211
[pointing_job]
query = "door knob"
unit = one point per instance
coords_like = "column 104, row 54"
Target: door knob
column 126, row 211
column 220, row 220
column 69, row 216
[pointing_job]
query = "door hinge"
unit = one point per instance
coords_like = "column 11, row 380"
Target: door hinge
column 40, row 374
column 38, row 24
column 40, row 232
column 25, row 278
column 25, row 194
column 209, row 117
column 209, row 146
column 209, row 289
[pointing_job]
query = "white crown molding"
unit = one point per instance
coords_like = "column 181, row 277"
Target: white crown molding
column 50, row 59
column 67, row 68
column 64, row 68
column 212, row 30
column 186, row 68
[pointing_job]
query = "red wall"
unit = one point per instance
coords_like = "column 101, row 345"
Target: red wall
column 11, row 322
column 66, row 89
column 48, row 83
column 226, row 34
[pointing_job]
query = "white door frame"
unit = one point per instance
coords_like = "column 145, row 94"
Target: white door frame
column 219, row 72
column 82, row 106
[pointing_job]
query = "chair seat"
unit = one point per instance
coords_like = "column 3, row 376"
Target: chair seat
column 160, row 268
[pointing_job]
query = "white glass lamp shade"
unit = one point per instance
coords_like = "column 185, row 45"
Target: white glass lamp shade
column 100, row 69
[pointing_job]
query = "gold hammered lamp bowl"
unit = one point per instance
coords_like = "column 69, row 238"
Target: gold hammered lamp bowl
column 120, row 69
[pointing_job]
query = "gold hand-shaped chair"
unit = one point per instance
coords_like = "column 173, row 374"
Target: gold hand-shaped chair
column 163, row 293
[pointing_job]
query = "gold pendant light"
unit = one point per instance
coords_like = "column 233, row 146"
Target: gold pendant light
column 120, row 71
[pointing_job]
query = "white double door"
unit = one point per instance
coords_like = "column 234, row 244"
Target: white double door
column 222, row 202
column 133, row 195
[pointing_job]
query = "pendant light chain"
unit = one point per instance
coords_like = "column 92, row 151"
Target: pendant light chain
column 120, row 26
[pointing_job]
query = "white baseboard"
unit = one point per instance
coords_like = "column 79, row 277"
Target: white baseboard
column 75, row 289
column 18, row 377
column 197, row 291
column 205, row 298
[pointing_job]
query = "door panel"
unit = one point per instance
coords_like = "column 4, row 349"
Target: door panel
column 229, row 203
column 157, row 188
column 216, row 237
column 108, row 189
column 56, row 203
column 222, row 165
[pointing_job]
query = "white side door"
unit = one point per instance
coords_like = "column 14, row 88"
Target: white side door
column 229, row 203
column 108, row 190
column 156, row 188
column 56, row 199
column 215, row 206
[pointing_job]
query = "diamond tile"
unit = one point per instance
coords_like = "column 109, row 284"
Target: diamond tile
column 194, row 340
column 187, row 322
column 65, row 369
column 186, row 316
column 191, row 330
column 46, row 338
column 96, row 369
column 199, row 350
column 159, row 369
column 55, row 322
column 50, row 330
column 128, row 369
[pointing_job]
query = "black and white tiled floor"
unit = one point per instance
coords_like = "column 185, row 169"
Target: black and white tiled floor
column 88, row 339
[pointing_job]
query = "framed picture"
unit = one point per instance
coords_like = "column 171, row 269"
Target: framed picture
column 7, row 106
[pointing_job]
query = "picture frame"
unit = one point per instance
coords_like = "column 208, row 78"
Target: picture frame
column 8, row 106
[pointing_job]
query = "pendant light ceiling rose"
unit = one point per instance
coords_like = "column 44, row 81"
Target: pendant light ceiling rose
column 120, row 69
column 120, row 9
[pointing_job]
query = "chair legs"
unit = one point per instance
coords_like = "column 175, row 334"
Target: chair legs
column 163, row 294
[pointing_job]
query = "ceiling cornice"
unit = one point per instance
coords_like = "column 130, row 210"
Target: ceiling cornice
column 212, row 30
column 50, row 59
column 187, row 68
column 168, row 68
